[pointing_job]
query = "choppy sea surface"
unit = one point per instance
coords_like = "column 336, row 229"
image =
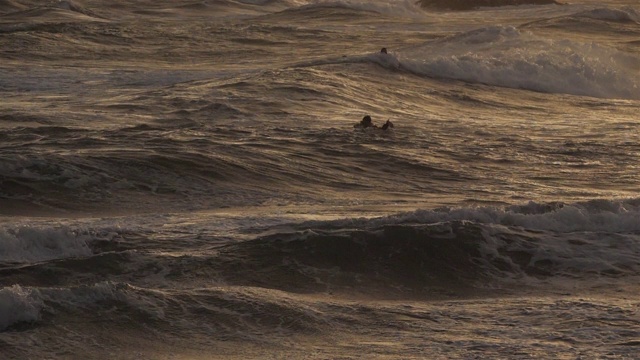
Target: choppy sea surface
column 183, row 179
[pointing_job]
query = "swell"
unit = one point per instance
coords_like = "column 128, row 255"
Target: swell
column 271, row 137
column 8, row 6
column 401, row 257
column 111, row 180
column 60, row 12
column 623, row 21
column 223, row 313
column 325, row 13
column 73, row 168
column 461, row 5
column 398, row 256
column 514, row 58
column 427, row 259
column 427, row 254
column 70, row 182
column 418, row 249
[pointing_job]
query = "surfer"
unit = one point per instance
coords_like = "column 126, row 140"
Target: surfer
column 366, row 122
column 383, row 51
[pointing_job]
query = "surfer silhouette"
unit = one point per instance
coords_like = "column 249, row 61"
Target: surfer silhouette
column 383, row 51
column 366, row 122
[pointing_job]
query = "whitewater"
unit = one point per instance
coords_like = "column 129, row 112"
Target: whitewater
column 183, row 179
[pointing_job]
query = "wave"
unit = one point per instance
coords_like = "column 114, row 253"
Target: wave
column 627, row 14
column 71, row 6
column 27, row 304
column 406, row 8
column 428, row 253
column 18, row 305
column 73, row 181
column 508, row 57
column 611, row 216
column 58, row 10
column 620, row 21
column 474, row 4
column 8, row 6
column 50, row 18
column 347, row 10
column 33, row 243
column 441, row 250
column 228, row 313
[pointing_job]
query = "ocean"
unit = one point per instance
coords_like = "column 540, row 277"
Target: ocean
column 188, row 179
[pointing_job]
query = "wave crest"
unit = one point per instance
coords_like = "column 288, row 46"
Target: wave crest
column 447, row 249
column 18, row 305
column 474, row 4
column 619, row 15
column 36, row 243
column 508, row 57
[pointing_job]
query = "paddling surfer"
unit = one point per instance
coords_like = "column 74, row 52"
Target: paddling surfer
column 366, row 122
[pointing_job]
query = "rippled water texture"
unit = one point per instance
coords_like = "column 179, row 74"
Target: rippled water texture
column 183, row 179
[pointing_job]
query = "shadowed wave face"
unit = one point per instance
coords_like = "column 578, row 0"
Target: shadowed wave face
column 473, row 4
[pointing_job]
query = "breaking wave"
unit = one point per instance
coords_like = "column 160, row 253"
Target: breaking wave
column 474, row 4
column 34, row 243
column 440, row 249
column 611, row 216
column 425, row 253
column 17, row 305
column 508, row 57
column 220, row 310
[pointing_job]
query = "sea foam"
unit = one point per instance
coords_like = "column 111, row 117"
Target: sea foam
column 32, row 244
column 595, row 216
column 612, row 216
column 505, row 56
column 24, row 305
column 18, row 304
